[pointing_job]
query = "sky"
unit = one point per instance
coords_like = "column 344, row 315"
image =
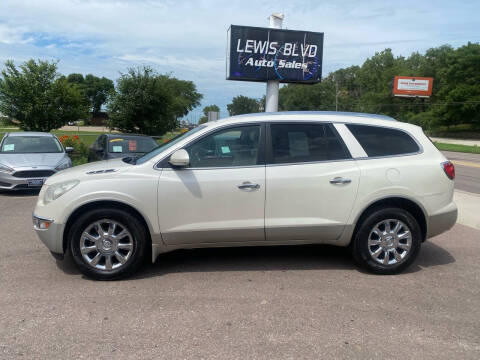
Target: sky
column 189, row 38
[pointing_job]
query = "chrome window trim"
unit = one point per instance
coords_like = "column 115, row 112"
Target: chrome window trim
column 323, row 121
column 215, row 168
column 310, row 162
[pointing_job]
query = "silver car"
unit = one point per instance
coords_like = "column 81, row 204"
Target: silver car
column 28, row 158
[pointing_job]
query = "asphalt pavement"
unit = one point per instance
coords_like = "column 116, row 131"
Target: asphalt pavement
column 304, row 302
column 467, row 170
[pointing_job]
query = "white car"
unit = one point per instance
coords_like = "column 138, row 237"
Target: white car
column 365, row 181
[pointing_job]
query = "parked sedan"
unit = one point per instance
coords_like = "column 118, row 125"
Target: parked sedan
column 28, row 158
column 378, row 186
column 111, row 146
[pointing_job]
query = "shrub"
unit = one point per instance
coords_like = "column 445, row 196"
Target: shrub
column 80, row 150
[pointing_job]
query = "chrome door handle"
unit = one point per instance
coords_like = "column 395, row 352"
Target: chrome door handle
column 248, row 185
column 340, row 180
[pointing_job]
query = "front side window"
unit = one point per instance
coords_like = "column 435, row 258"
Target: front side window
column 31, row 145
column 235, row 146
column 380, row 141
column 296, row 143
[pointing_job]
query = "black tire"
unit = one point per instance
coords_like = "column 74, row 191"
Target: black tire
column 127, row 221
column 360, row 248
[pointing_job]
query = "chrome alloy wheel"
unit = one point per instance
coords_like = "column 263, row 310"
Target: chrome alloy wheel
column 106, row 245
column 389, row 242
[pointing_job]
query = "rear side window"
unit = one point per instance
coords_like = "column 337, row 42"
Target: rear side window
column 295, row 143
column 380, row 141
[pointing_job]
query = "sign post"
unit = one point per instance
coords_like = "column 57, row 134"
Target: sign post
column 271, row 98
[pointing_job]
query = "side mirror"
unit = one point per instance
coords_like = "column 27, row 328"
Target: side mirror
column 180, row 158
column 69, row 149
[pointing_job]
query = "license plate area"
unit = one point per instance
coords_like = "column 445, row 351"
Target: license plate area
column 35, row 182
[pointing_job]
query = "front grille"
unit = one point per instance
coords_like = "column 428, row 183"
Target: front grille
column 33, row 173
column 22, row 186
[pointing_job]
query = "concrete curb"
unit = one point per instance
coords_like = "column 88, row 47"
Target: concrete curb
column 468, row 208
column 456, row 141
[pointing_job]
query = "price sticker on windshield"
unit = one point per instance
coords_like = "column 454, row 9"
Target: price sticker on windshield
column 132, row 145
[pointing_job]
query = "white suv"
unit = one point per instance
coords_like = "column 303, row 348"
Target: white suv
column 365, row 181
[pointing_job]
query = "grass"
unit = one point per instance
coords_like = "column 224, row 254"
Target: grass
column 461, row 131
column 458, row 148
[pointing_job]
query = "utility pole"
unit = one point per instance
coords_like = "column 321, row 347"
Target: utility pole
column 271, row 99
column 336, row 95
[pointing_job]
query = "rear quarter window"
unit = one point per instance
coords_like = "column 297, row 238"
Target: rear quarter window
column 380, row 141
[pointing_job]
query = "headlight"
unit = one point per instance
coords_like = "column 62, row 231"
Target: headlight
column 54, row 191
column 65, row 164
column 6, row 169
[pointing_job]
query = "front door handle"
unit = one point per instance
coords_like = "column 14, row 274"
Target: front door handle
column 248, row 185
column 340, row 180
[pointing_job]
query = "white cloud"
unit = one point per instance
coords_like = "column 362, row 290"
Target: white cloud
column 189, row 63
column 188, row 37
column 10, row 35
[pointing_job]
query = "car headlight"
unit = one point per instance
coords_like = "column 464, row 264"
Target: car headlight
column 6, row 169
column 54, row 191
column 65, row 164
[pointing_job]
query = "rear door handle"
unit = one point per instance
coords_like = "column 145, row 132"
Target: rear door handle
column 340, row 180
column 248, row 185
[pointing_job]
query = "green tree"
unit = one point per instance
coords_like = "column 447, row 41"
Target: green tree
column 206, row 109
column 243, row 105
column 294, row 97
column 95, row 89
column 185, row 95
column 368, row 88
column 150, row 103
column 459, row 94
column 36, row 96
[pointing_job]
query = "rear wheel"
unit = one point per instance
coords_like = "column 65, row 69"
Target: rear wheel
column 387, row 241
column 108, row 244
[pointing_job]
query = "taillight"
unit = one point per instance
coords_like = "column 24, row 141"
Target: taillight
column 449, row 169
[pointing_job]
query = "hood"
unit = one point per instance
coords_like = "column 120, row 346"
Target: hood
column 81, row 171
column 28, row 160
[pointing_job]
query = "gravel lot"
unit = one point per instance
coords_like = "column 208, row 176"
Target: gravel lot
column 275, row 303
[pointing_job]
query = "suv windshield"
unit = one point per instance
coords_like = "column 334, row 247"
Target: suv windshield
column 31, row 145
column 167, row 145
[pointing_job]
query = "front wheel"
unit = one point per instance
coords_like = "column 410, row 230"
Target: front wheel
column 108, row 244
column 387, row 241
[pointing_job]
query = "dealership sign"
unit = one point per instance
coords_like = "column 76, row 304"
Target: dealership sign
column 408, row 86
column 262, row 54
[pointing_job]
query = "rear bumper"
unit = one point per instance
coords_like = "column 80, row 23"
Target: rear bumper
column 442, row 220
column 51, row 237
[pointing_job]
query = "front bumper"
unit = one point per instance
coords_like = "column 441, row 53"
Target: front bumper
column 442, row 220
column 52, row 237
column 9, row 182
